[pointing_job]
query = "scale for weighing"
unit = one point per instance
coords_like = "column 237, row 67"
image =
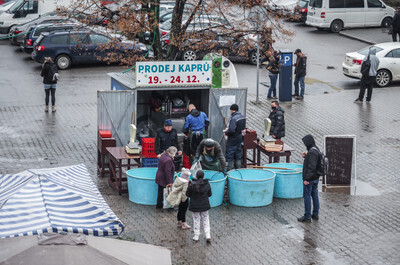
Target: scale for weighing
column 133, row 148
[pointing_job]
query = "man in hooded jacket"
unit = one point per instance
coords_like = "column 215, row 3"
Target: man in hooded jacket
column 195, row 127
column 396, row 25
column 310, row 179
column 209, row 152
column 368, row 80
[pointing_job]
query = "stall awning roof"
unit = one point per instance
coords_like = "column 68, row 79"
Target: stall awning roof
column 127, row 79
column 54, row 200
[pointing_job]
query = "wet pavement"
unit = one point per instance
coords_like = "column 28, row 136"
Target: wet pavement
column 352, row 229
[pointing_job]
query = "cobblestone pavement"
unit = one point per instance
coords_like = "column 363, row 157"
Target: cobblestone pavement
column 358, row 229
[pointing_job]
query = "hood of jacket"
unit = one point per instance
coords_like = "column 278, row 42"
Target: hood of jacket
column 308, row 141
column 180, row 182
column 372, row 51
column 195, row 113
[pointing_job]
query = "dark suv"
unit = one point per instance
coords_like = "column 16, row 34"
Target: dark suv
column 83, row 46
column 34, row 32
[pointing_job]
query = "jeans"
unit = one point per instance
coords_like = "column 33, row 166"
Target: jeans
column 311, row 191
column 182, row 210
column 272, row 88
column 296, row 85
column 50, row 89
column 366, row 82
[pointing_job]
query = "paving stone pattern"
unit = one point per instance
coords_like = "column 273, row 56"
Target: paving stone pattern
column 351, row 229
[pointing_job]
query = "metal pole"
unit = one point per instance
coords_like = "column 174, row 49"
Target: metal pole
column 258, row 58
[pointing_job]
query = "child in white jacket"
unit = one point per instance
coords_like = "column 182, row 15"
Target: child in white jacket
column 178, row 197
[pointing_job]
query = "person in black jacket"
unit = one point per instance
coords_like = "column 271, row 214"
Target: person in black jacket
column 198, row 191
column 300, row 73
column 310, row 179
column 50, row 77
column 277, row 118
column 234, row 132
column 396, row 25
column 166, row 137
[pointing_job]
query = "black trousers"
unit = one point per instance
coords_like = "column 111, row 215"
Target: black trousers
column 182, row 210
column 160, row 195
column 394, row 35
column 366, row 82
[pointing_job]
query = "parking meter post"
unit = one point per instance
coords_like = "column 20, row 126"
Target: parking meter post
column 285, row 75
column 258, row 66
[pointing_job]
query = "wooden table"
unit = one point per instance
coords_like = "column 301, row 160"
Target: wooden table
column 117, row 155
column 287, row 151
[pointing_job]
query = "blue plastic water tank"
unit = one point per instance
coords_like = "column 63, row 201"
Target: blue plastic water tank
column 288, row 180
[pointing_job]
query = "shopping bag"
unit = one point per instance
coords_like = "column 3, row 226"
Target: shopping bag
column 166, row 204
column 195, row 167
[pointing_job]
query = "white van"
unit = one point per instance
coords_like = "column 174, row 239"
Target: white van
column 338, row 14
column 26, row 10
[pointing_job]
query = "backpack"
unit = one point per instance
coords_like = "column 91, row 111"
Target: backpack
column 365, row 66
column 323, row 165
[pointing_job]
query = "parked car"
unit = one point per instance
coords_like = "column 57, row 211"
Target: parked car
column 300, row 11
column 83, row 46
column 389, row 62
column 237, row 48
column 336, row 15
column 34, row 32
column 17, row 32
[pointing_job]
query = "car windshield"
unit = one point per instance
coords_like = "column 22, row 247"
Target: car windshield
column 15, row 6
column 303, row 4
column 365, row 51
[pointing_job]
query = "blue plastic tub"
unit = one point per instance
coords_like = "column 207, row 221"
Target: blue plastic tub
column 251, row 187
column 217, row 182
column 288, row 183
column 142, row 187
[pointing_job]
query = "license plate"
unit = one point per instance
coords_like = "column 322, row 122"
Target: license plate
column 345, row 70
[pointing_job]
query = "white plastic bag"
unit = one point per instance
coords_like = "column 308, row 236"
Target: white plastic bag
column 195, row 167
column 166, row 204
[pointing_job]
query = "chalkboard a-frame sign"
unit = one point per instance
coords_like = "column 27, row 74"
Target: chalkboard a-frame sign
column 341, row 152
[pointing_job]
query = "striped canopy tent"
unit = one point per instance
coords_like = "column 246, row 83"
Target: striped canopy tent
column 54, row 200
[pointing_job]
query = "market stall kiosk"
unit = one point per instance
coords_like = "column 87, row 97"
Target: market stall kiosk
column 171, row 86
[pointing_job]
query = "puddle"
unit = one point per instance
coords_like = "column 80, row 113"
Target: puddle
column 361, row 188
column 330, row 258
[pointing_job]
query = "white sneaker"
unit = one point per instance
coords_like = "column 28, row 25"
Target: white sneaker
column 196, row 238
column 208, row 237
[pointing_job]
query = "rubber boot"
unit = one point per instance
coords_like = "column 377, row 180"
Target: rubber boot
column 238, row 163
column 230, row 165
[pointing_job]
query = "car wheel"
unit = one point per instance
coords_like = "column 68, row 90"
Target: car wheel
column 336, row 26
column 383, row 78
column 63, row 61
column 253, row 57
column 386, row 22
column 189, row 55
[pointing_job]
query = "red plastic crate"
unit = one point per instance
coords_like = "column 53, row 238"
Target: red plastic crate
column 148, row 148
column 105, row 134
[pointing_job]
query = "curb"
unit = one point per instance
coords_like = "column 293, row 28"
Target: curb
column 356, row 38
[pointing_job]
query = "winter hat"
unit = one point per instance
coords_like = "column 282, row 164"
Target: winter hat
column 168, row 122
column 209, row 142
column 185, row 173
column 234, row 107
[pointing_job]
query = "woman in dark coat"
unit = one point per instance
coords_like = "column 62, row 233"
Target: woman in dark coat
column 165, row 173
column 50, row 77
column 199, row 191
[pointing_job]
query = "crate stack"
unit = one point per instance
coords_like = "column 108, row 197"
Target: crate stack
column 149, row 156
